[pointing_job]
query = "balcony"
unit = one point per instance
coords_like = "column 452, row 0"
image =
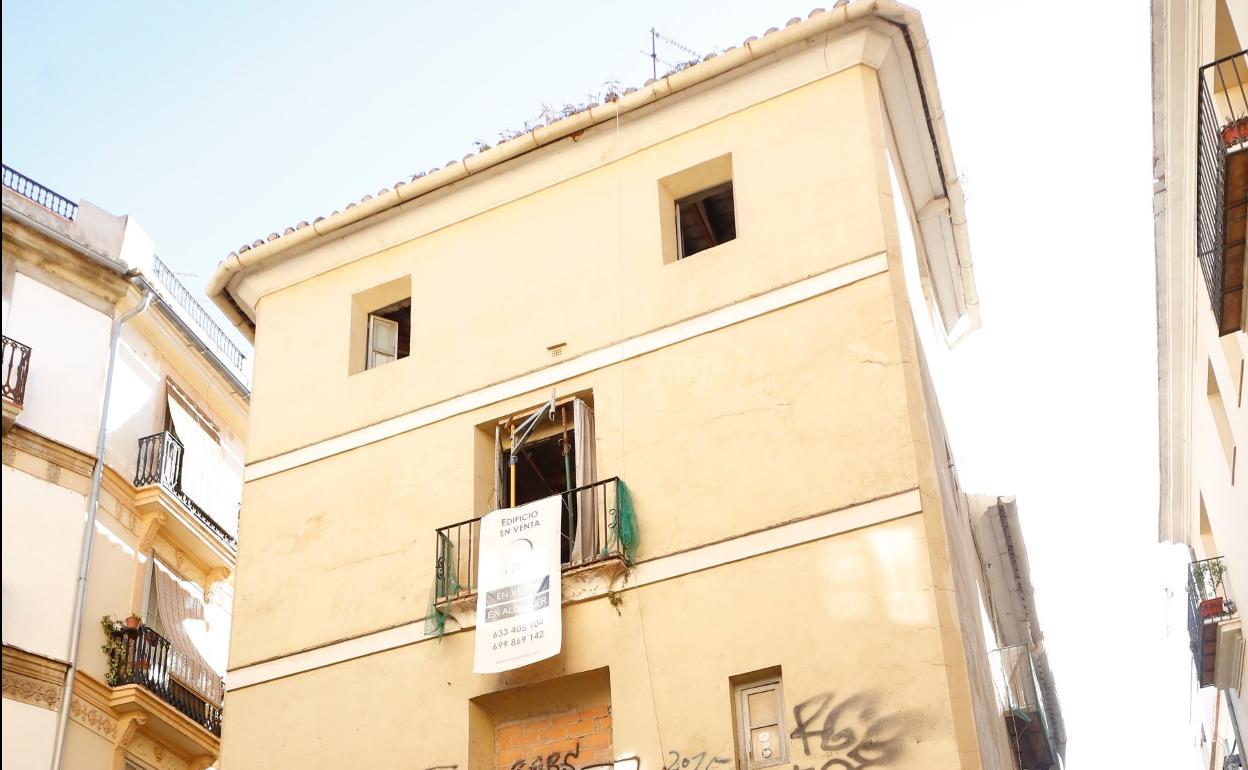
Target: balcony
column 1213, row 626
column 26, row 187
column 610, row 546
column 158, row 477
column 1027, row 716
column 142, row 657
column 1222, row 185
column 16, row 366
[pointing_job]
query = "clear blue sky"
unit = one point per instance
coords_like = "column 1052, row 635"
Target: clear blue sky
column 215, row 124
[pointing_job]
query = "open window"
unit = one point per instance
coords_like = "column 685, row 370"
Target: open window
column 698, row 209
column 556, row 457
column 389, row 333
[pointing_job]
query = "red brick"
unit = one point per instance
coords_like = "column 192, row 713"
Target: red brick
column 596, row 741
column 563, row 720
column 584, row 727
column 602, row 725
column 509, row 757
column 552, row 734
column 507, row 730
column 595, row 712
column 538, row 723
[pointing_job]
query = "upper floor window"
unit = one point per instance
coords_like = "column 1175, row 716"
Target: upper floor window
column 381, row 325
column 699, row 209
column 389, row 333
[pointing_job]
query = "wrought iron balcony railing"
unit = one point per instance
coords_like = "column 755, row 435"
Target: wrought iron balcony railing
column 196, row 311
column 1207, row 606
column 1222, row 184
column 458, row 545
column 143, row 657
column 29, row 188
column 16, row 365
column 1028, row 716
column 160, row 462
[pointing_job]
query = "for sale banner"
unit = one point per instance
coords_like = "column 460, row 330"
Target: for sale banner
column 518, row 601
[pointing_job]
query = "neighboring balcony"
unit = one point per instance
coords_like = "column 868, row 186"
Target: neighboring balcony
column 16, row 366
column 140, row 656
column 162, row 501
column 599, row 531
column 1222, row 186
column 1027, row 717
column 1213, row 626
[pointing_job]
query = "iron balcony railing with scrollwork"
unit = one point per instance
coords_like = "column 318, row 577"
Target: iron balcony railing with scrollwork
column 457, row 546
column 188, row 303
column 16, row 366
column 160, row 462
column 1207, row 607
column 142, row 656
column 28, row 188
column 1221, row 130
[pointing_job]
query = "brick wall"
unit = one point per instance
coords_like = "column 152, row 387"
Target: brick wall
column 567, row 741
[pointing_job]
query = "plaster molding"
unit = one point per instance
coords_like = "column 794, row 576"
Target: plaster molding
column 548, row 376
column 32, row 679
column 127, row 727
column 148, row 527
column 793, row 533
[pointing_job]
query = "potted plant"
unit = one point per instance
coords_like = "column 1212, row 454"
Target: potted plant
column 114, row 647
column 1207, row 576
column 133, row 622
column 1235, row 132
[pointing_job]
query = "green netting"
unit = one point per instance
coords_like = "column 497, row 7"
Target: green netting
column 623, row 537
column 443, row 588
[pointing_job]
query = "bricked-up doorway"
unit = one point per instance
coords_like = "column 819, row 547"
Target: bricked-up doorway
column 558, row 724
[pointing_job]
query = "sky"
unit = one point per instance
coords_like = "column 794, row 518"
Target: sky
column 216, row 124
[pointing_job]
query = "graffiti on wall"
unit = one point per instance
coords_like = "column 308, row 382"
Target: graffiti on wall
column 851, row 733
column 700, row 761
column 556, row 760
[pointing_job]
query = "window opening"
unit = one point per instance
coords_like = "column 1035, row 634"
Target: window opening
column 763, row 738
column 705, row 220
column 547, row 467
column 389, row 333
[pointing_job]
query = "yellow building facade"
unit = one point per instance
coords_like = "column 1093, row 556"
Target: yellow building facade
column 730, row 279
column 104, row 348
column 1200, row 203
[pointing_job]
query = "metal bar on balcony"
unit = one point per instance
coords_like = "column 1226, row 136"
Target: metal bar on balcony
column 151, row 661
column 196, row 311
column 1221, row 130
column 1207, row 606
column 25, row 186
column 160, row 462
column 15, row 368
column 457, row 545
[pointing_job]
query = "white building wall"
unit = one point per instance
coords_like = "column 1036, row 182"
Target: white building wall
column 69, row 351
column 28, row 735
column 41, row 542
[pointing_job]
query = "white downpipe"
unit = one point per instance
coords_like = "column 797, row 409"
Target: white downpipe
column 93, row 505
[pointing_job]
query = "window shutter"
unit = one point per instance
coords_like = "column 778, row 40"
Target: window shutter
column 762, row 722
column 383, row 341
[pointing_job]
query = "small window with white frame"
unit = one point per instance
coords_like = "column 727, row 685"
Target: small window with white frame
column 761, row 733
column 389, row 334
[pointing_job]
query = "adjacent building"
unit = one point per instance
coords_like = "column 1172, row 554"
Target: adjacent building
column 1200, row 135
column 708, row 317
column 87, row 302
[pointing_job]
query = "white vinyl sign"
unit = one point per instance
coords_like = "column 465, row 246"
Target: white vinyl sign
column 519, row 606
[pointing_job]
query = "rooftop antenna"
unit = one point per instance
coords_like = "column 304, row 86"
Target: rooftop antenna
column 653, row 53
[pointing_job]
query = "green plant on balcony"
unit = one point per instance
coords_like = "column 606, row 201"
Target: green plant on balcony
column 114, row 647
column 1207, row 574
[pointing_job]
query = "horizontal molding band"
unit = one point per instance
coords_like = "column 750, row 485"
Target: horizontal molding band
column 779, row 537
column 615, row 353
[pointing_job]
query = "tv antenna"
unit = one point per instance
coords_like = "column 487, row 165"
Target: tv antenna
column 655, row 59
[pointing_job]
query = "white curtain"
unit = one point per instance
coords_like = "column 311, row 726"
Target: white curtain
column 586, row 544
column 180, row 605
column 205, row 478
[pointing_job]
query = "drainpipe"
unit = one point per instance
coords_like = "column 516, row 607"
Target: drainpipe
column 93, row 505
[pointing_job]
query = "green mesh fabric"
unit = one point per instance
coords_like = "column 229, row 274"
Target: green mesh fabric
column 625, row 534
column 443, row 588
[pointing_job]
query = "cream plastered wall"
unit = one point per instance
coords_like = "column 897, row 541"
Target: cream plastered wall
column 579, row 261
column 69, row 351
column 28, row 734
column 862, row 599
column 788, row 415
